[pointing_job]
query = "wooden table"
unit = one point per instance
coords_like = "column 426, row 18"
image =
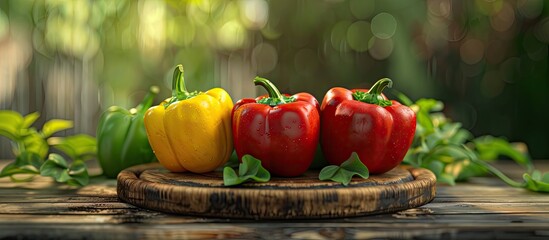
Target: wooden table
column 483, row 208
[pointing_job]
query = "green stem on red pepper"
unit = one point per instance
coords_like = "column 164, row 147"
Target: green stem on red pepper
column 373, row 96
column 179, row 89
column 275, row 97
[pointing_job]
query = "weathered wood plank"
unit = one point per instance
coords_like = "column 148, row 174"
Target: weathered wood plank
column 495, row 199
column 67, row 208
column 279, row 231
column 78, row 208
column 13, row 199
column 387, row 220
column 487, row 208
column 194, row 231
column 483, row 208
column 98, row 187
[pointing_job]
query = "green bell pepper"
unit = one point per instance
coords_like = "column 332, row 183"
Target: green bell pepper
column 122, row 139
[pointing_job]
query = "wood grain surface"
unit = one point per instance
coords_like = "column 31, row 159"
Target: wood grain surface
column 150, row 186
column 483, row 208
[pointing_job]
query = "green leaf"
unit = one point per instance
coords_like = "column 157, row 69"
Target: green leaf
column 436, row 167
column 490, row 148
column 537, row 183
column 79, row 174
column 244, row 167
column 545, row 177
column 57, row 161
column 249, row 169
column 450, row 152
column 460, row 137
column 262, row 175
column 77, row 147
column 29, row 158
column 55, row 125
column 276, row 101
column 446, row 178
column 230, row 177
column 424, row 123
column 10, row 124
column 354, row 165
column 57, row 168
column 25, row 163
column 233, row 161
column 429, row 105
column 471, row 170
column 345, row 172
column 328, row 172
column 31, row 147
column 342, row 176
column 448, row 130
column 33, row 142
column 29, row 119
column 371, row 98
column 402, row 97
column 11, row 169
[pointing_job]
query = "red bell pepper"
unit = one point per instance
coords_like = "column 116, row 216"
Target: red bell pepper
column 364, row 121
column 282, row 131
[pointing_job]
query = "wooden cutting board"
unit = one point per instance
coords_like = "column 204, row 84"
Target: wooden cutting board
column 151, row 186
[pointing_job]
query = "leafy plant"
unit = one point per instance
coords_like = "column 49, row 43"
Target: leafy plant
column 345, row 172
column 31, row 148
column 453, row 154
column 249, row 170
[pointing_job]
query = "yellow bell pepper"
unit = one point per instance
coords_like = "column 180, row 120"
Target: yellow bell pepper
column 191, row 130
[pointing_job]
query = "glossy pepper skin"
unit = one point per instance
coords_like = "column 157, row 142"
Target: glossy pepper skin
column 364, row 121
column 279, row 130
column 191, row 130
column 121, row 138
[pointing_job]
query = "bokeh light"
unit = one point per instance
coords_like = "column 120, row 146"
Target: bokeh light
column 504, row 19
column 439, row 8
column 338, row 35
column 380, row 48
column 231, row 35
column 358, row 35
column 384, row 25
column 256, row 13
column 489, row 7
column 542, row 30
column 362, row 9
column 265, row 57
column 476, row 56
column 180, row 31
column 472, row 51
column 535, row 49
column 492, row 84
column 530, row 8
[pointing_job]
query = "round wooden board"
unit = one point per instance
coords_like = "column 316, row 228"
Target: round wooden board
column 153, row 187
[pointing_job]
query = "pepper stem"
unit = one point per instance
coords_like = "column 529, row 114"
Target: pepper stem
column 179, row 90
column 270, row 87
column 373, row 96
column 178, row 82
column 275, row 97
column 148, row 100
column 380, row 85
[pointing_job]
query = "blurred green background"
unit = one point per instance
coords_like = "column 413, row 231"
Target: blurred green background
column 487, row 60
